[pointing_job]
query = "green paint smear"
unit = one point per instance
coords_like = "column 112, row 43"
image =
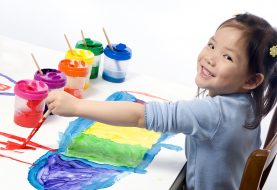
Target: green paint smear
column 106, row 151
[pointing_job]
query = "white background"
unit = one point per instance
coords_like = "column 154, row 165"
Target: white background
column 165, row 35
column 169, row 34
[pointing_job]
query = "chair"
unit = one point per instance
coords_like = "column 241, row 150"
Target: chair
column 260, row 161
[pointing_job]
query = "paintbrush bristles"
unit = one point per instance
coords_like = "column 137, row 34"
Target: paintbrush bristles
column 107, row 38
column 40, row 71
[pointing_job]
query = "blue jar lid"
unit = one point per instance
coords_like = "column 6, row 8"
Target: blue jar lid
column 120, row 52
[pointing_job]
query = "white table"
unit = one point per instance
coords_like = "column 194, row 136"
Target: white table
column 17, row 63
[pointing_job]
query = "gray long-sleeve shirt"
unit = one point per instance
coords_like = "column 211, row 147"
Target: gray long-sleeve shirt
column 217, row 143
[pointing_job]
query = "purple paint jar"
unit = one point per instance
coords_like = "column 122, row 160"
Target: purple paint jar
column 54, row 78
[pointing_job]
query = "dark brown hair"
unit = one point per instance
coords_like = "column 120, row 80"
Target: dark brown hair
column 259, row 37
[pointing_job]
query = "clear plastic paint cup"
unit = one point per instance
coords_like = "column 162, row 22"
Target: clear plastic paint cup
column 54, row 79
column 29, row 102
column 97, row 49
column 116, row 62
column 76, row 72
column 85, row 56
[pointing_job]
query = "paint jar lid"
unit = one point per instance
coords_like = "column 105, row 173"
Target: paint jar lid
column 120, row 52
column 73, row 68
column 92, row 45
column 52, row 77
column 31, row 89
column 81, row 55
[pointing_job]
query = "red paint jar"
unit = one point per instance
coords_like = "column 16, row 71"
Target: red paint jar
column 29, row 102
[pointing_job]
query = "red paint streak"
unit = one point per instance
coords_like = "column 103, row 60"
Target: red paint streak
column 4, row 156
column 14, row 146
column 4, row 87
column 33, row 132
column 12, row 136
column 145, row 94
column 20, row 139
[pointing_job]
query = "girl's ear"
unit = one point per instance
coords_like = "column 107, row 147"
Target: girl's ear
column 254, row 81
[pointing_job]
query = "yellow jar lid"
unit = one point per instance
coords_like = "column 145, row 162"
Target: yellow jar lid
column 81, row 55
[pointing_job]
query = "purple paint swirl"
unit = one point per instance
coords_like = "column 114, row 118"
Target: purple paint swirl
column 59, row 174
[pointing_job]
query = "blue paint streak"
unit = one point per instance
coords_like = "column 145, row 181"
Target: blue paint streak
column 121, row 96
column 6, row 93
column 7, row 77
column 171, row 147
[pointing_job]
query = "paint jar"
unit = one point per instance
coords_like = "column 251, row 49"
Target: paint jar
column 29, row 102
column 97, row 49
column 76, row 73
column 85, row 56
column 54, row 79
column 116, row 62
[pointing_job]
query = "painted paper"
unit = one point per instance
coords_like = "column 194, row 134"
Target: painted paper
column 93, row 155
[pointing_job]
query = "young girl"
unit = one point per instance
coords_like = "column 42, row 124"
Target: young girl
column 238, row 69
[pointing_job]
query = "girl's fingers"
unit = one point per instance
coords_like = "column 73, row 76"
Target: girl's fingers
column 50, row 98
column 50, row 106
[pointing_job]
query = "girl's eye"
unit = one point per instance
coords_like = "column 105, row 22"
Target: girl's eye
column 228, row 58
column 211, row 45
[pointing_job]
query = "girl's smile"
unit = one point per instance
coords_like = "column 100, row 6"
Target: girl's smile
column 205, row 73
column 222, row 65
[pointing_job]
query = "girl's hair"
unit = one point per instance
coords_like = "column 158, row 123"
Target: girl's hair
column 259, row 36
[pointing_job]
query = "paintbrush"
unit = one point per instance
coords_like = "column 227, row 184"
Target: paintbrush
column 36, row 128
column 84, row 39
column 70, row 48
column 40, row 71
column 111, row 47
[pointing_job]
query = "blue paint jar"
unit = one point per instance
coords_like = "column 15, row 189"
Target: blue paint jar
column 116, row 62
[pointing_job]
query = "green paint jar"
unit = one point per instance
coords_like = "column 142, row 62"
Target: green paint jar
column 97, row 49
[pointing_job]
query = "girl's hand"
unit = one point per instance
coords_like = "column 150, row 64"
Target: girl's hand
column 62, row 103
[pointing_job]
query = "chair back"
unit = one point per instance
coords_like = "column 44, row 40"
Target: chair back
column 272, row 128
column 260, row 161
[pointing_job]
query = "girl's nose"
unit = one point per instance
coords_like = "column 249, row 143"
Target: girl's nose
column 210, row 60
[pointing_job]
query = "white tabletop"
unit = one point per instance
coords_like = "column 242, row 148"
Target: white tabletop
column 16, row 62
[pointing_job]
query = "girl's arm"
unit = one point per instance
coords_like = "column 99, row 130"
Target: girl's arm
column 114, row 113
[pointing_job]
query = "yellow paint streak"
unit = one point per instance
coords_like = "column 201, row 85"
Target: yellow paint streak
column 124, row 135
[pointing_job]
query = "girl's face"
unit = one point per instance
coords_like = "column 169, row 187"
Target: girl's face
column 222, row 65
